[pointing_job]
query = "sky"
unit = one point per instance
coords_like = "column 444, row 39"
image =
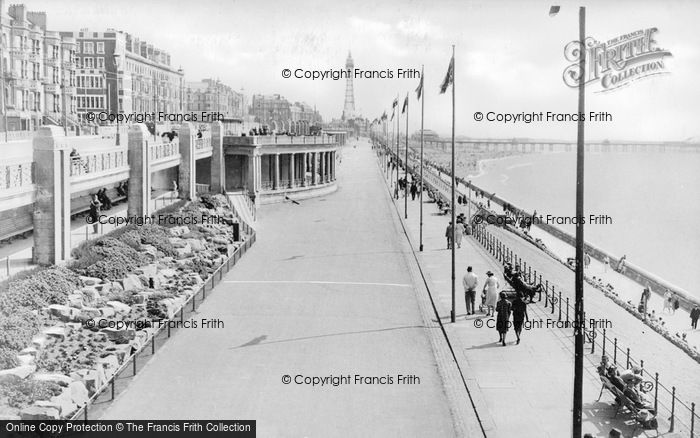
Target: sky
column 509, row 56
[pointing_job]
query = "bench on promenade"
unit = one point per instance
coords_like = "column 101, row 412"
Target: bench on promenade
column 642, row 417
column 81, row 204
column 20, row 226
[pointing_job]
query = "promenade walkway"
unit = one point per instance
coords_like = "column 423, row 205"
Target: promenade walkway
column 658, row 355
column 674, row 366
column 327, row 290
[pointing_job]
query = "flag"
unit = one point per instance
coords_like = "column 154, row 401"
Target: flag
column 419, row 90
column 396, row 102
column 405, row 104
column 392, row 112
column 554, row 10
column 449, row 77
column 384, row 116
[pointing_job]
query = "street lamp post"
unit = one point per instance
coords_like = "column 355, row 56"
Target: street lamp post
column 578, row 281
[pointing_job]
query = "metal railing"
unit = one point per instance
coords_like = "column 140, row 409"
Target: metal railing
column 201, row 188
column 678, row 415
column 165, row 326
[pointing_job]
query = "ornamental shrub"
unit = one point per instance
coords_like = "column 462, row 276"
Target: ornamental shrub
column 107, row 258
column 18, row 328
column 21, row 393
column 158, row 237
column 8, row 358
column 43, row 287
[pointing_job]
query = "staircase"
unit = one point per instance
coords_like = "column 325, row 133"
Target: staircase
column 243, row 206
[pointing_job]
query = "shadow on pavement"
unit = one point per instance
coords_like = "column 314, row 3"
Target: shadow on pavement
column 258, row 340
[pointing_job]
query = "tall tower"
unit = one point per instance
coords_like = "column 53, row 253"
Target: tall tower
column 349, row 108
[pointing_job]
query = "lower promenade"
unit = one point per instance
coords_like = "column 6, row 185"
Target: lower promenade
column 330, row 288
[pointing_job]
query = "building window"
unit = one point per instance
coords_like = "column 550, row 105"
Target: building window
column 100, row 62
column 88, row 62
column 100, row 47
column 88, row 48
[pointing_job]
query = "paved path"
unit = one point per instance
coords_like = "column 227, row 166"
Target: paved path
column 326, row 290
column 526, row 389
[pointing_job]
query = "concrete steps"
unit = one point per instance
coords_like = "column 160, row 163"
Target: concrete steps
column 240, row 203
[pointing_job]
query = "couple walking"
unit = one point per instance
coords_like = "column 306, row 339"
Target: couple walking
column 489, row 293
column 501, row 308
column 458, row 234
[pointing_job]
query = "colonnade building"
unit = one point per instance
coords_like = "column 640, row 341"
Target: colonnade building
column 46, row 180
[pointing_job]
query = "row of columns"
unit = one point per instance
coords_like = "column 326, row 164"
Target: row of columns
column 323, row 161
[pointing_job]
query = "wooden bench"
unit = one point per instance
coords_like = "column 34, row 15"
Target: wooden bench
column 81, row 204
column 17, row 222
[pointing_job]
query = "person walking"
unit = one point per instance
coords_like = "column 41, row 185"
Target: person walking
column 668, row 301
column 491, row 287
column 694, row 316
column 448, row 235
column 606, row 264
column 676, row 304
column 586, row 260
column 459, row 233
column 414, row 190
column 94, row 213
column 644, row 300
column 470, row 282
column 519, row 308
column 503, row 309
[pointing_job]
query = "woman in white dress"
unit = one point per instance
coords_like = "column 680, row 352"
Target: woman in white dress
column 491, row 287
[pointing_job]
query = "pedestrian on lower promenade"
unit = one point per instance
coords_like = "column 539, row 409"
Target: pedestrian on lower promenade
column 519, row 308
column 503, row 308
column 414, row 190
column 606, row 263
column 668, row 302
column 644, row 300
column 94, row 213
column 491, row 286
column 470, row 282
column 586, row 261
column 449, row 235
column 676, row 304
column 694, row 316
column 621, row 264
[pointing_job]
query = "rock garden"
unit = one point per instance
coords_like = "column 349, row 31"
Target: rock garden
column 60, row 336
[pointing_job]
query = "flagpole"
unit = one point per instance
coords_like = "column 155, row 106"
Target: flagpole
column 388, row 146
column 422, row 109
column 405, row 174
column 398, row 135
column 454, row 227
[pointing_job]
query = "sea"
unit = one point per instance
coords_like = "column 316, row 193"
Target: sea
column 647, row 205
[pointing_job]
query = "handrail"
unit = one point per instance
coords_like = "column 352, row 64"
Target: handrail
column 237, row 254
column 553, row 300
